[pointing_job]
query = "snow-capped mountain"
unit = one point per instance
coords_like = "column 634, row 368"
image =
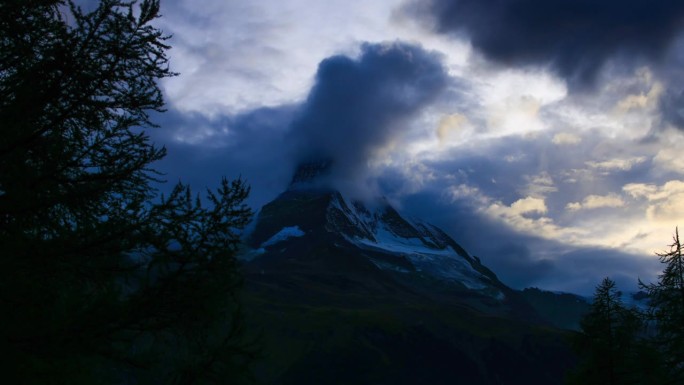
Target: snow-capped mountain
column 313, row 228
column 383, row 236
column 354, row 292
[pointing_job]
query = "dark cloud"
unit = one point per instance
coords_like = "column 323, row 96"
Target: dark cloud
column 355, row 107
column 358, row 106
column 672, row 108
column 575, row 37
column 672, row 100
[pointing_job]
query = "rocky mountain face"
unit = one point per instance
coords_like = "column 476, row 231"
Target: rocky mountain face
column 357, row 289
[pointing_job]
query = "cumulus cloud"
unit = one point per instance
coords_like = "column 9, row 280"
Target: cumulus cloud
column 576, row 38
column 666, row 202
column 654, row 193
column 640, row 190
column 449, row 126
column 566, row 138
column 670, row 210
column 529, row 205
column 669, row 157
column 515, row 217
column 620, row 164
column 597, row 201
column 539, row 185
column 643, row 100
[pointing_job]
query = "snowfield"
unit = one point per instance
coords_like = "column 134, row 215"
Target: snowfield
column 444, row 263
column 282, row 235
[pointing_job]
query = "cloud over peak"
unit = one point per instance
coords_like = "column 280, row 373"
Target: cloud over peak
column 357, row 106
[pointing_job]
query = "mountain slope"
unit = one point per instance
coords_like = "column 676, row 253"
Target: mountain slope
column 347, row 293
column 319, row 232
column 563, row 310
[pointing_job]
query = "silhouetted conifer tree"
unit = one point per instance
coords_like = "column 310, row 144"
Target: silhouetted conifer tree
column 610, row 344
column 666, row 309
column 99, row 284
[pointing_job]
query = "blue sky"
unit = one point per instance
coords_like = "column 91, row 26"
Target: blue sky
column 544, row 136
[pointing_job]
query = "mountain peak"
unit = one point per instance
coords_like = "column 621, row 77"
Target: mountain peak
column 305, row 224
column 310, row 171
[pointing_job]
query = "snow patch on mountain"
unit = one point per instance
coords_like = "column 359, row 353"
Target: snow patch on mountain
column 284, row 234
column 444, row 263
column 424, row 248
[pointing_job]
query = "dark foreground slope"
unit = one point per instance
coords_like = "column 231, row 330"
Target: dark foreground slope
column 563, row 310
column 344, row 294
column 394, row 341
